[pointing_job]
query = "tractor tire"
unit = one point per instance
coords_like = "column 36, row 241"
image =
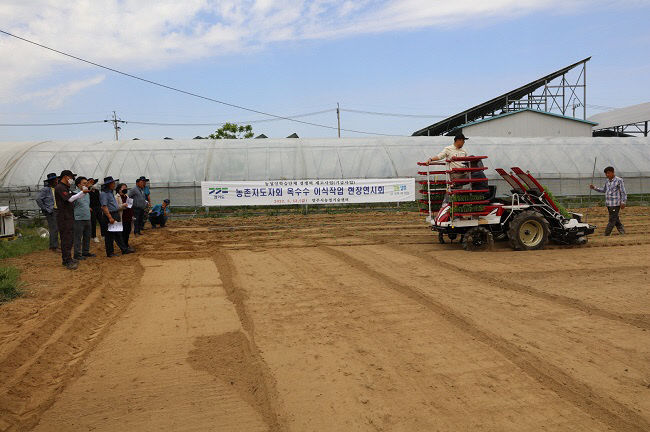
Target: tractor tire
column 478, row 239
column 528, row 230
column 441, row 237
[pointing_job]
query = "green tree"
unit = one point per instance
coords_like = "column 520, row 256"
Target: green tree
column 232, row 131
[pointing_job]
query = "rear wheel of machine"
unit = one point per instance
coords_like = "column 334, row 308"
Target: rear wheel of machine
column 478, row 239
column 528, row 230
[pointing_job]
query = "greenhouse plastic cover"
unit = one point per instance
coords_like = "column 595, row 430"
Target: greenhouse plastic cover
column 185, row 163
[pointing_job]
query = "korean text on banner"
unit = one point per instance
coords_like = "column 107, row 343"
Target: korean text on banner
column 291, row 192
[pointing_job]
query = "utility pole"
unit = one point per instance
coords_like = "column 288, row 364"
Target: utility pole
column 338, row 118
column 115, row 121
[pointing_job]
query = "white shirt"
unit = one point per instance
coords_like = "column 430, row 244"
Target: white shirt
column 451, row 151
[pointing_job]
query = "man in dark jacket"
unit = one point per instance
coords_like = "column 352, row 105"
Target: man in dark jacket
column 139, row 204
column 95, row 210
column 65, row 216
column 47, row 204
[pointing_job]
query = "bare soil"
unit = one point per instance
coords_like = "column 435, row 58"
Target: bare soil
column 332, row 322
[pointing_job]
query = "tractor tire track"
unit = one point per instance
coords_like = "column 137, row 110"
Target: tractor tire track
column 268, row 396
column 641, row 321
column 30, row 385
column 611, row 412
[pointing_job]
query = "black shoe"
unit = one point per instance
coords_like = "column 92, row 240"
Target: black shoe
column 54, row 249
column 71, row 265
column 79, row 258
column 113, row 255
column 89, row 255
column 127, row 251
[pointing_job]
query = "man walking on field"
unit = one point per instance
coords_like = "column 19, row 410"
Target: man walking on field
column 615, row 199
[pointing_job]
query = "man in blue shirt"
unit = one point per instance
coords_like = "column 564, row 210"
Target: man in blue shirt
column 615, row 199
column 159, row 214
column 110, row 209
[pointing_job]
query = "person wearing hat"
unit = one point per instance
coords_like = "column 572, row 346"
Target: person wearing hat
column 139, row 204
column 95, row 210
column 65, row 217
column 454, row 150
column 46, row 202
column 110, row 209
column 159, row 214
column 126, row 212
column 147, row 194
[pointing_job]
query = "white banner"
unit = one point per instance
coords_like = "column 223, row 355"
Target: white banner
column 290, row 192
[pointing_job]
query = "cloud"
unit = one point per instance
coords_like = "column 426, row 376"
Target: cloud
column 151, row 34
column 54, row 97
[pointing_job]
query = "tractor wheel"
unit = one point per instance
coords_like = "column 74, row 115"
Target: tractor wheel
column 478, row 239
column 528, row 230
column 441, row 237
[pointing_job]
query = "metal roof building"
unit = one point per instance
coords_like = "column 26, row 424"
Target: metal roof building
column 628, row 121
column 527, row 123
column 177, row 167
column 562, row 91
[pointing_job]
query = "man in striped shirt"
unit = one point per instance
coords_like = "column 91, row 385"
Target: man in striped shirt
column 615, row 199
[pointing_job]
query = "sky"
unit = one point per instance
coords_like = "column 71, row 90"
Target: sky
column 291, row 57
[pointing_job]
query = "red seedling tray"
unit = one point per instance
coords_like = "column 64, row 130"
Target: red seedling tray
column 466, row 158
column 463, row 191
column 470, row 202
column 432, row 182
column 469, row 180
column 455, row 170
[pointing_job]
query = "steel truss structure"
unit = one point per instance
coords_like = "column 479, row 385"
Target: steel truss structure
column 562, row 92
column 632, row 129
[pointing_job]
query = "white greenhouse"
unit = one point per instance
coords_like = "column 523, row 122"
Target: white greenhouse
column 176, row 168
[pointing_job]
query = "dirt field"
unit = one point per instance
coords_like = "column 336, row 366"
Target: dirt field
column 358, row 322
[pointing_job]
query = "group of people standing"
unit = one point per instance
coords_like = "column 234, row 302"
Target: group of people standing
column 74, row 206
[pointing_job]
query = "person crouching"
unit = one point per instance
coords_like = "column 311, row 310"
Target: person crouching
column 159, row 214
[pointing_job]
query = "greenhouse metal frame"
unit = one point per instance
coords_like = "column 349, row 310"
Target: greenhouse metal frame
column 177, row 168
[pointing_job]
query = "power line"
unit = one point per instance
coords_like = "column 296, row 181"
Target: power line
column 601, row 107
column 184, row 91
column 394, row 114
column 52, row 124
column 236, row 122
